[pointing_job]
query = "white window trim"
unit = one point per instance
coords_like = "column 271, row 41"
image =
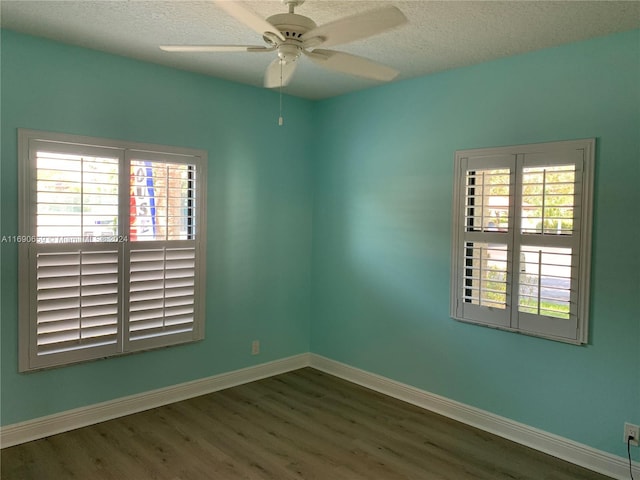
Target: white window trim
column 27, row 360
column 582, row 260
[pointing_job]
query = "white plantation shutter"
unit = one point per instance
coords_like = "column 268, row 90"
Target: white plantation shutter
column 161, row 293
column 521, row 238
column 163, row 268
column 549, row 240
column 76, row 299
column 74, row 289
column 485, row 245
column 112, row 237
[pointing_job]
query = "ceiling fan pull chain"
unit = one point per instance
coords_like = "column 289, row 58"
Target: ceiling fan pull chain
column 280, row 119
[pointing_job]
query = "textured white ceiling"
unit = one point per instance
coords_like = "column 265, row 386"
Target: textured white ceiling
column 440, row 35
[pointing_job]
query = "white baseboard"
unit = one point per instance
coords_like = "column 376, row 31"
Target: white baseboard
column 81, row 417
column 560, row 447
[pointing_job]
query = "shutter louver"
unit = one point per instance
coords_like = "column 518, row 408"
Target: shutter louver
column 161, row 291
column 165, row 197
column 548, row 199
column 77, row 198
column 485, row 277
column 545, row 281
column 487, row 200
column 76, row 299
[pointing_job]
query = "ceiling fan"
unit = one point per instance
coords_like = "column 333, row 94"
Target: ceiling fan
column 293, row 35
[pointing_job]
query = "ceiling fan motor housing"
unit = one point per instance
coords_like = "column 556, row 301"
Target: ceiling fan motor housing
column 292, row 27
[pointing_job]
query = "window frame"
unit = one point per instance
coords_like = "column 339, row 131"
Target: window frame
column 125, row 152
column 516, row 158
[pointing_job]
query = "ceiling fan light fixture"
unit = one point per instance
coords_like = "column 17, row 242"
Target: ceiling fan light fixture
column 288, row 52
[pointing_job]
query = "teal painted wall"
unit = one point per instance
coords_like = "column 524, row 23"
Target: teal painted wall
column 382, row 229
column 259, row 211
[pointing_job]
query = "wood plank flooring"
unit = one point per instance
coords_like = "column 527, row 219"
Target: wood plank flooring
column 300, row 425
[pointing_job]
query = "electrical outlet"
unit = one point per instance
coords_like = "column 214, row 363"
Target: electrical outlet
column 255, row 347
column 633, row 431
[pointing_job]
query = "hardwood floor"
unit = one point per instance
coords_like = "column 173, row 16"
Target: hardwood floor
column 299, row 425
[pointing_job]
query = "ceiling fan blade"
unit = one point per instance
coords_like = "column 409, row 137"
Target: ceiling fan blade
column 355, row 27
column 215, row 48
column 246, row 16
column 352, row 64
column 272, row 75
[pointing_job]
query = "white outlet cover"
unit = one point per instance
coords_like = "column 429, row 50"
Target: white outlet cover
column 631, row 430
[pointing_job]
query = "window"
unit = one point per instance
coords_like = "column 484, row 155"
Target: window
column 112, row 243
column 521, row 243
